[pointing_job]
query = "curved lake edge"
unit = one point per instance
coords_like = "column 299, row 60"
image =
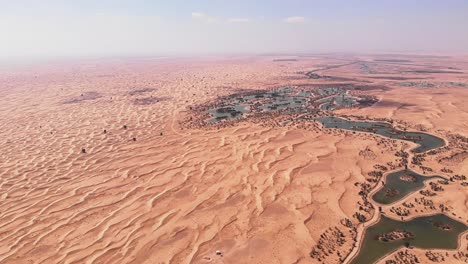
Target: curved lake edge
column 377, row 220
column 412, row 149
column 459, row 247
column 377, row 217
column 387, row 130
column 379, row 128
column 376, row 188
column 413, row 144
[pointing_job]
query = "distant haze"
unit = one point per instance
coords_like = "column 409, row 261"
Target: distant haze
column 88, row 28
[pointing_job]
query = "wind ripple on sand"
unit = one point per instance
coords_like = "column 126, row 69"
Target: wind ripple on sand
column 250, row 191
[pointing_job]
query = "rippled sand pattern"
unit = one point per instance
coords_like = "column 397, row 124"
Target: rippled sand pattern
column 176, row 197
column 155, row 191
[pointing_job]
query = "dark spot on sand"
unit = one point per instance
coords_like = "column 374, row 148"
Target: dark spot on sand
column 149, row 100
column 141, row 91
column 390, row 103
column 88, row 96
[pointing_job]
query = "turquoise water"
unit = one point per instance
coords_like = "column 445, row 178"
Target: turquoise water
column 268, row 101
column 426, row 234
column 285, row 99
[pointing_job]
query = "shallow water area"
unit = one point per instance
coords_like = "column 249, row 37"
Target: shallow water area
column 228, row 112
column 427, row 232
column 266, row 101
column 286, row 99
column 333, row 102
column 425, row 141
column 399, row 184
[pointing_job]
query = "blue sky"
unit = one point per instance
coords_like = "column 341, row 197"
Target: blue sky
column 112, row 27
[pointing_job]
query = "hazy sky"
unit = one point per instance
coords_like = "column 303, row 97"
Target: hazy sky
column 127, row 27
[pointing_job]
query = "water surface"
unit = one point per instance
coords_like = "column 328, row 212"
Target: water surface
column 426, row 233
column 396, row 187
column 425, row 141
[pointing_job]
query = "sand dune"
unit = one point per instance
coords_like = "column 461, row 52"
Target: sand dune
column 149, row 190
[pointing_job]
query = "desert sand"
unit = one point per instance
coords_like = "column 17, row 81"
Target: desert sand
column 100, row 165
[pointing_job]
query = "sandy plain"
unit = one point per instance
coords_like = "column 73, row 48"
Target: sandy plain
column 152, row 188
